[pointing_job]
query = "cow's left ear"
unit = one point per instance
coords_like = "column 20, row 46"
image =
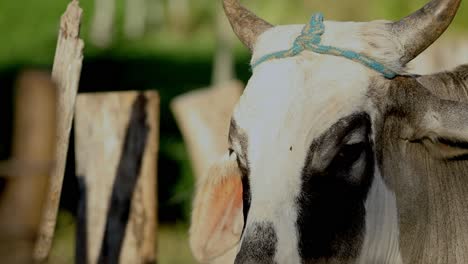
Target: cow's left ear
column 443, row 129
column 217, row 218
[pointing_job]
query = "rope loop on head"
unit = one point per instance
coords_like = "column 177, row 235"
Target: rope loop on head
column 310, row 39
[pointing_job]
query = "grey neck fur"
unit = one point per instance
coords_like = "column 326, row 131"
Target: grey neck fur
column 431, row 194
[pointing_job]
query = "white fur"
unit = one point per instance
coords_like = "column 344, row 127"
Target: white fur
column 289, row 102
column 381, row 241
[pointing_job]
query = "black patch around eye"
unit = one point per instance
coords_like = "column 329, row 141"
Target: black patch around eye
column 331, row 222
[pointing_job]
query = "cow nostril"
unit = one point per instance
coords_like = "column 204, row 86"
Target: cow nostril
column 258, row 245
column 246, row 259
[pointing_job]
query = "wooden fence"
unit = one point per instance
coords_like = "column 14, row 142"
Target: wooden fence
column 116, row 147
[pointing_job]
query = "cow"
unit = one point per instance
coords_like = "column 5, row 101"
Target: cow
column 333, row 160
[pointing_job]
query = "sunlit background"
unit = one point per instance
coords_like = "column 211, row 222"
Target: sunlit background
column 166, row 45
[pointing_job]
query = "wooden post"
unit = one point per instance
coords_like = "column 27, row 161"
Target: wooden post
column 154, row 13
column 103, row 134
column 29, row 168
column 223, row 64
column 203, row 117
column 102, row 23
column 135, row 18
column 178, row 12
column 66, row 74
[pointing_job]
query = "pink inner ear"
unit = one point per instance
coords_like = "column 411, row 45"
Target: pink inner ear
column 226, row 202
column 217, row 215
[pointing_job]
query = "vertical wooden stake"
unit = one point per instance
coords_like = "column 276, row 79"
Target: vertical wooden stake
column 102, row 23
column 178, row 12
column 135, row 18
column 29, row 168
column 154, row 13
column 66, row 73
column 203, row 115
column 100, row 134
column 223, row 64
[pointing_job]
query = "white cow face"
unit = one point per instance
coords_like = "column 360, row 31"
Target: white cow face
column 294, row 186
column 301, row 149
column 302, row 138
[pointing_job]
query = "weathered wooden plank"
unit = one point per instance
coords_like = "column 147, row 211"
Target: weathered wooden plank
column 29, row 168
column 101, row 122
column 203, row 117
column 66, row 74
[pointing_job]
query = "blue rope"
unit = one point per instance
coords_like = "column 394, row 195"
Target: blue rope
column 310, row 39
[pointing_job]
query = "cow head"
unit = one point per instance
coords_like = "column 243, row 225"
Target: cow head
column 300, row 181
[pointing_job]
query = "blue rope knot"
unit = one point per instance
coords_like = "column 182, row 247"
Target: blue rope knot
column 315, row 29
column 310, row 39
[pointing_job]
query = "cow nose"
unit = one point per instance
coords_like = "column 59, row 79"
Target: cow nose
column 258, row 245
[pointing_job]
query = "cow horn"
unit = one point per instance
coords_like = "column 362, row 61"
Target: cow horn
column 419, row 30
column 245, row 24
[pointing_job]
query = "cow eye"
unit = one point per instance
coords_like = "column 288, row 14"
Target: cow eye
column 230, row 151
column 349, row 153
